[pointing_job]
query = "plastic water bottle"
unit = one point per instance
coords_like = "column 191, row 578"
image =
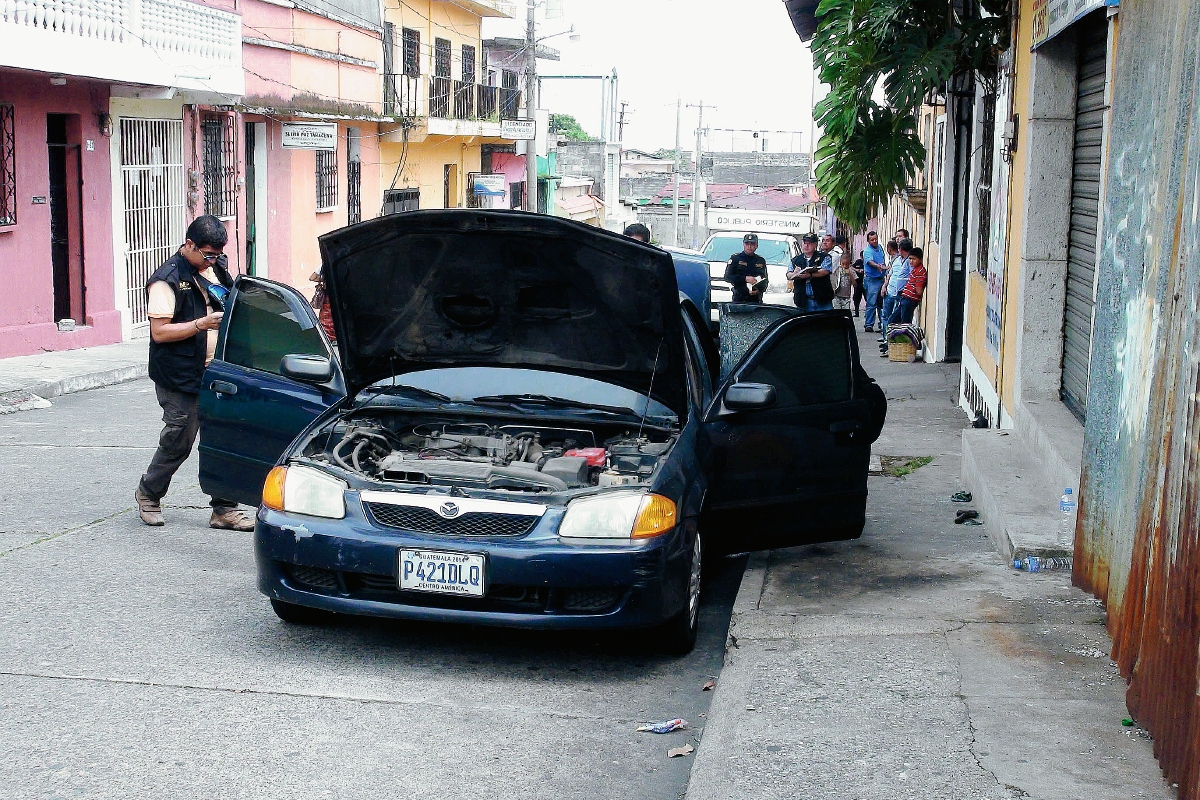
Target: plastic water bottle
column 1066, row 522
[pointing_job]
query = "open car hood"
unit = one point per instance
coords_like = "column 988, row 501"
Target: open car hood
column 461, row 287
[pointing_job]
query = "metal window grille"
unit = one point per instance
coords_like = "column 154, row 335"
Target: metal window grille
column 389, row 76
column 8, row 166
column 396, row 201
column 220, row 166
column 468, row 63
column 473, row 200
column 516, row 194
column 412, row 51
column 441, row 58
column 153, row 199
column 326, row 179
column 353, row 178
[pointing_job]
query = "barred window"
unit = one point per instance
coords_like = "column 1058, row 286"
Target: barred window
column 468, row 64
column 441, row 58
column 8, row 166
column 220, row 166
column 412, row 51
column 326, row 179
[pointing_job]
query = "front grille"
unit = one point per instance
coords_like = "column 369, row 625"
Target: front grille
column 590, row 599
column 314, row 578
column 423, row 520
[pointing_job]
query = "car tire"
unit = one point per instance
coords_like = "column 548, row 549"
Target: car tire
column 298, row 615
column 677, row 636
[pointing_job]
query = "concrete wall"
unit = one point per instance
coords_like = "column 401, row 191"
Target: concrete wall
column 27, row 323
column 760, row 169
column 584, row 159
column 1138, row 543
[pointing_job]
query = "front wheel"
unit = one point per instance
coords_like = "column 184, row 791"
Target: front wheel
column 677, row 635
column 297, row 614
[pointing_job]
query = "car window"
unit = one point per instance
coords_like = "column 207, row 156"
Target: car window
column 773, row 251
column 809, row 363
column 263, row 329
column 741, row 325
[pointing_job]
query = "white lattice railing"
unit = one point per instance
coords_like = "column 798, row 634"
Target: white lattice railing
column 171, row 27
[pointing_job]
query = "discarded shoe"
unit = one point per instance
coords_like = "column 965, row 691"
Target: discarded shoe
column 961, row 497
column 149, row 510
column 964, row 515
column 972, row 521
column 230, row 519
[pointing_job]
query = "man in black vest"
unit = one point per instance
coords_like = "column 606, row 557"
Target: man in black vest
column 811, row 287
column 747, row 272
column 184, row 307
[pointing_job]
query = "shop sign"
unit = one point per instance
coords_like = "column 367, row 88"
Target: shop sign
column 1052, row 17
column 310, row 135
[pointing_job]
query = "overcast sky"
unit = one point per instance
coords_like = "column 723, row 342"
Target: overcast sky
column 743, row 57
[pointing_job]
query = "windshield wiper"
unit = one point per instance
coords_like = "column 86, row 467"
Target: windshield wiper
column 412, row 391
column 547, row 400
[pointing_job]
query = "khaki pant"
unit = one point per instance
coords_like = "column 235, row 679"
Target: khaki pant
column 842, row 304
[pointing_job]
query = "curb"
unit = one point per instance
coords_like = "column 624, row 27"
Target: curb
column 38, row 395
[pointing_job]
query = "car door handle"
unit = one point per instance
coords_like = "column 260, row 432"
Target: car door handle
column 844, row 426
column 223, row 387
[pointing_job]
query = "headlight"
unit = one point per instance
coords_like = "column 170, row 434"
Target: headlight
column 303, row 490
column 618, row 516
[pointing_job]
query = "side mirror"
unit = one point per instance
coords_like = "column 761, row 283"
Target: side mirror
column 749, row 396
column 307, row 369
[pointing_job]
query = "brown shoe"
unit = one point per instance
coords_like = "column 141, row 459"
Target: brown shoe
column 231, row 519
column 149, row 510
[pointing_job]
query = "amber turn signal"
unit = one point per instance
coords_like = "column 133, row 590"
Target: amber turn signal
column 272, row 494
column 656, row 517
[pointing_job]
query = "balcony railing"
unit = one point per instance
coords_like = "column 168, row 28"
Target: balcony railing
column 510, row 103
column 174, row 43
column 439, row 97
column 401, row 95
column 451, row 99
column 487, row 102
column 464, row 100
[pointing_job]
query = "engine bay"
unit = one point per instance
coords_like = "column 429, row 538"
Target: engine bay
column 401, row 449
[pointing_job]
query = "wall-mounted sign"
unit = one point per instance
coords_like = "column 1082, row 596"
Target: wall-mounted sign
column 488, row 185
column 518, row 129
column 1052, row 17
column 310, row 135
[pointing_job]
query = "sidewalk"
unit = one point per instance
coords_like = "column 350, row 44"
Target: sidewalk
column 32, row 381
column 914, row 662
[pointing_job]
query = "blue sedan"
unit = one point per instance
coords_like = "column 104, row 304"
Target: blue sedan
column 523, row 422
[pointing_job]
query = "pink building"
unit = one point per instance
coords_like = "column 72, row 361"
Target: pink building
column 62, row 65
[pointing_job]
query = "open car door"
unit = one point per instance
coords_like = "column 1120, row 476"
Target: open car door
column 791, row 428
column 273, row 374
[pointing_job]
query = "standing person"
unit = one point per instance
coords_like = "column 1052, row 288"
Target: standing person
column 914, row 287
column 809, row 274
column 875, row 264
column 901, row 234
column 747, row 272
column 184, row 304
column 637, row 230
column 859, row 290
column 829, row 247
column 897, row 277
column 842, row 280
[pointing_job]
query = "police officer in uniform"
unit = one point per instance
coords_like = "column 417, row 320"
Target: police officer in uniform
column 747, row 272
column 811, row 287
column 184, row 304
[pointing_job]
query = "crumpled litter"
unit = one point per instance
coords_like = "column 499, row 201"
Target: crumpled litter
column 663, row 727
column 675, row 752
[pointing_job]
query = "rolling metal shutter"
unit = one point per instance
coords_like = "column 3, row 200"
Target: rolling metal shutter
column 1090, row 115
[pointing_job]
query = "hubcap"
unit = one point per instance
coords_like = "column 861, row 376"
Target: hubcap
column 694, row 585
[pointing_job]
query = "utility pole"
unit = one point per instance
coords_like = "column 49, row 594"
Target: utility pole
column 675, row 180
column 531, row 181
column 621, row 123
column 696, row 174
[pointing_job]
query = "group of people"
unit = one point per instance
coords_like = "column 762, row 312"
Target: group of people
column 826, row 277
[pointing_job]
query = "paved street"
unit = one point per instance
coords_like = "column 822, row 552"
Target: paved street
column 911, row 663
column 143, row 662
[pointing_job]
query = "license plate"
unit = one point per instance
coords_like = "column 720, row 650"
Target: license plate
column 461, row 574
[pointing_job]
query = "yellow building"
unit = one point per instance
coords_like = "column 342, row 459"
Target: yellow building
column 446, row 101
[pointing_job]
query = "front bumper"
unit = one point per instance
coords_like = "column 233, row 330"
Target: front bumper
column 537, row 581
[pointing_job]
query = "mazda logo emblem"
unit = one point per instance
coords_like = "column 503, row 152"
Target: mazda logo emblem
column 449, row 510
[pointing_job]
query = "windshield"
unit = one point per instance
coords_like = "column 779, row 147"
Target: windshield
column 774, row 251
column 462, row 384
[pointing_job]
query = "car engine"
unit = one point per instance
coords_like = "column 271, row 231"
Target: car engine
column 509, row 457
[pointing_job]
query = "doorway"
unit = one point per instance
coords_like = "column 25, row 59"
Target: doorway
column 256, row 198
column 66, row 215
column 450, row 186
